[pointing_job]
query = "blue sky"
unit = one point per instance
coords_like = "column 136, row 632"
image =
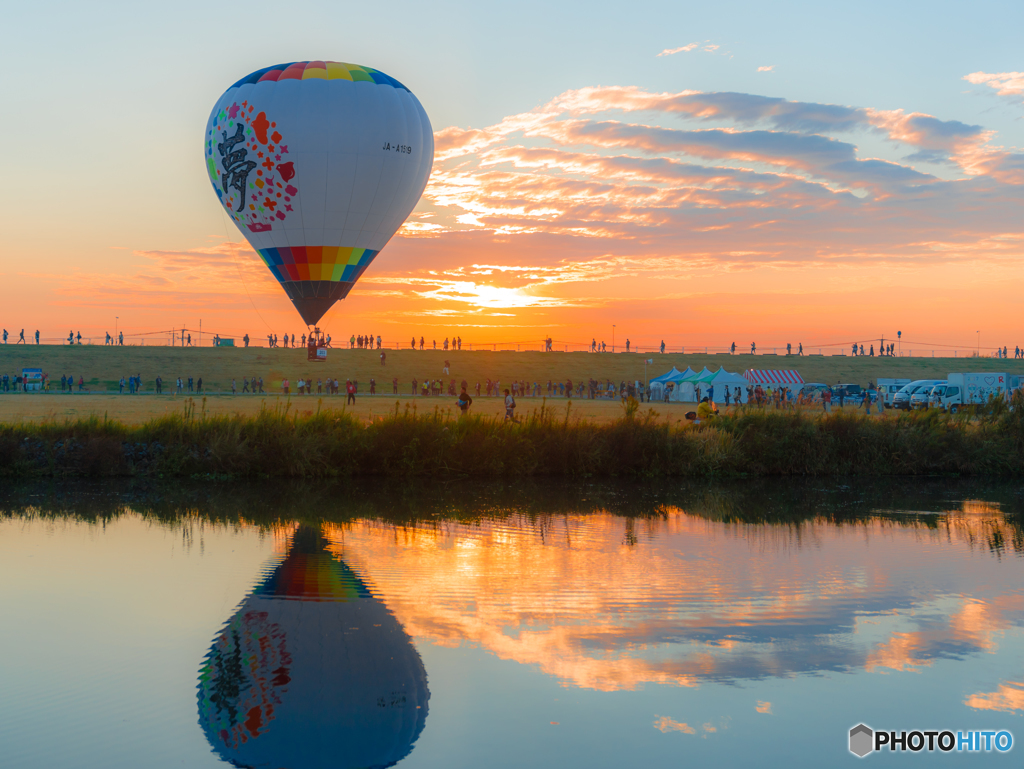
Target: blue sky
column 106, row 102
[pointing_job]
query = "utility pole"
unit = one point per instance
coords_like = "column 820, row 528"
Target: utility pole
column 613, row 337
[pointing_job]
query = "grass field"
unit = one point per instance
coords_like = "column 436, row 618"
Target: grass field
column 102, row 367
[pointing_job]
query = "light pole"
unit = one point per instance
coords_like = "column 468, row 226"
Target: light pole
column 116, row 318
column 979, row 342
column 613, row 337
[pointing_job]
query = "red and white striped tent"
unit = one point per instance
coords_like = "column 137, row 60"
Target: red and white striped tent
column 765, row 376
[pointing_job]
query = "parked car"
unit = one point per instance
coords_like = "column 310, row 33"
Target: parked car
column 813, row 390
column 901, row 400
column 889, row 387
column 848, row 392
column 921, row 398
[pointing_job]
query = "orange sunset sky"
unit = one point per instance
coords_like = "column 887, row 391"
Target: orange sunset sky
column 696, row 176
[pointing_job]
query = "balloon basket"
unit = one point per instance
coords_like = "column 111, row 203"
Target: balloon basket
column 316, row 351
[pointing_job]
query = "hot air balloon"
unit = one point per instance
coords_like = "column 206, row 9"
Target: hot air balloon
column 312, row 671
column 318, row 164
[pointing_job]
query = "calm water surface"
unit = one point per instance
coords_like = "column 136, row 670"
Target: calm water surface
column 583, row 625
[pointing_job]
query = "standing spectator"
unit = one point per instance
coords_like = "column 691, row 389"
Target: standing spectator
column 233, row 390
column 464, row 401
column 826, row 400
column 510, row 407
column 662, row 346
column 284, row 386
column 190, row 384
column 383, row 358
column 394, row 385
column 350, row 388
column 159, row 385
column 199, row 385
column 37, row 336
column 373, row 386
column 261, row 384
column 245, row 340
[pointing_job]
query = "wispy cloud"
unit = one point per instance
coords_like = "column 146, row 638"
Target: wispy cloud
column 680, row 49
column 769, row 68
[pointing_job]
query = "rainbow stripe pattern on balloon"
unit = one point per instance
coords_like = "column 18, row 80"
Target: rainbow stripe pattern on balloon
column 335, row 263
column 323, row 70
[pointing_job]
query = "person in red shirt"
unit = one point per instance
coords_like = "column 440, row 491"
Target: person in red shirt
column 350, row 388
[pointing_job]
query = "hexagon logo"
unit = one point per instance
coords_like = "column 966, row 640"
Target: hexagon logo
column 862, row 740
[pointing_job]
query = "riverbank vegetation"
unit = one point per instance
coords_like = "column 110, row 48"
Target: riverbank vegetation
column 322, row 443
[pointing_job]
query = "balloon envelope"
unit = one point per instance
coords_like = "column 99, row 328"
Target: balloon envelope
column 318, row 164
column 312, row 671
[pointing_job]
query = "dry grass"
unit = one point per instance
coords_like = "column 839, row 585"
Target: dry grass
column 551, row 440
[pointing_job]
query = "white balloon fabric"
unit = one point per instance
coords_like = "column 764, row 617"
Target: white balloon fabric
column 318, row 164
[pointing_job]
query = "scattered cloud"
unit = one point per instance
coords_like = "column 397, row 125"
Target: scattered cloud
column 1004, row 83
column 665, row 725
column 1009, row 697
column 764, row 707
column 769, row 68
column 680, row 49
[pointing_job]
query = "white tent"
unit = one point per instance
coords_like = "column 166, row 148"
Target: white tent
column 684, row 392
column 675, row 376
column 724, row 379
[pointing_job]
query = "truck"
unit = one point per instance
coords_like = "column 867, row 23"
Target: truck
column 972, row 389
column 889, row 387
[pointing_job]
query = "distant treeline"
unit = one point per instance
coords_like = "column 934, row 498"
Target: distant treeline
column 328, row 443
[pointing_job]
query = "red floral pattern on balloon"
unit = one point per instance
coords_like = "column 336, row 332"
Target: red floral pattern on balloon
column 247, row 169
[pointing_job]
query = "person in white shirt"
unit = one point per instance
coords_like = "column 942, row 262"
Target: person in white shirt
column 510, row 407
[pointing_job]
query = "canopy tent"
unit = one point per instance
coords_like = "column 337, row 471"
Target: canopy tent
column 763, row 376
column 686, row 389
column 724, row 379
column 674, row 376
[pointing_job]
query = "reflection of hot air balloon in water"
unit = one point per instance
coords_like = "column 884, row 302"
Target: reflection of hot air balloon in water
column 312, row 671
column 318, row 164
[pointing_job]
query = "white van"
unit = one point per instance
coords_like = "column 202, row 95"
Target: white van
column 901, row 399
column 887, row 388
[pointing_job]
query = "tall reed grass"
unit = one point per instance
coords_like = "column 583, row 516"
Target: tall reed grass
column 321, row 443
